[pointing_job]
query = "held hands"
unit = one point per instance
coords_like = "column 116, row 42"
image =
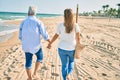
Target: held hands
column 49, row 46
column 52, row 40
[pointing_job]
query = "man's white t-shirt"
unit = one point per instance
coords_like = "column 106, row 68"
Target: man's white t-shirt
column 67, row 40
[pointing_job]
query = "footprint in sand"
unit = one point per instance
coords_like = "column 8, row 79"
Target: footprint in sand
column 55, row 74
column 117, row 76
column 90, row 78
column 59, row 65
column 44, row 67
column 103, row 74
column 7, row 78
column 94, row 66
column 53, row 65
column 82, row 63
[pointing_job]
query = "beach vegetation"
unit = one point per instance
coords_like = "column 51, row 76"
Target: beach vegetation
column 106, row 12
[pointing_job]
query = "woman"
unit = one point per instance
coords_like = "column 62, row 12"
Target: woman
column 68, row 31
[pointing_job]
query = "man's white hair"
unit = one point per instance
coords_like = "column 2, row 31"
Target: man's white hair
column 32, row 10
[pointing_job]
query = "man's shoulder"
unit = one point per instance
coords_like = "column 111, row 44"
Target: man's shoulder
column 37, row 20
column 33, row 20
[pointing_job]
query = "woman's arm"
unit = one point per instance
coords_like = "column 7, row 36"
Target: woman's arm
column 52, row 40
column 77, row 38
column 48, row 40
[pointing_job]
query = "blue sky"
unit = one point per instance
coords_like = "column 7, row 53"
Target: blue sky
column 55, row 6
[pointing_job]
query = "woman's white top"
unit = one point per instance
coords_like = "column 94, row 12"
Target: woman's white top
column 67, row 40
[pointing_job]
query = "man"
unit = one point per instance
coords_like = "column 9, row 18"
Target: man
column 30, row 31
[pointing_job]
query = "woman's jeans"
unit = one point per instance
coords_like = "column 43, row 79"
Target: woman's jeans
column 28, row 57
column 67, row 60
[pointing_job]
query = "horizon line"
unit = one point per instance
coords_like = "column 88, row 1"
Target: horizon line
column 27, row 13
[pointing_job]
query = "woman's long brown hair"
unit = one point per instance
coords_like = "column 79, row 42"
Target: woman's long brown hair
column 68, row 20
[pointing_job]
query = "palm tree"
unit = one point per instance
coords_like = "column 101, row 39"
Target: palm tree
column 111, row 12
column 118, row 10
column 99, row 12
column 107, row 6
column 105, row 9
column 94, row 13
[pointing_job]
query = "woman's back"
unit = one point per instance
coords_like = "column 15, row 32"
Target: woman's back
column 67, row 40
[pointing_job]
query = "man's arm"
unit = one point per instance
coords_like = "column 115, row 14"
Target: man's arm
column 43, row 31
column 20, row 31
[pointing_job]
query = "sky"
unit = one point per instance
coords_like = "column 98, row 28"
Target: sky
column 55, row 6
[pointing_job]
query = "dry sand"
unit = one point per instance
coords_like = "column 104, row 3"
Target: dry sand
column 100, row 60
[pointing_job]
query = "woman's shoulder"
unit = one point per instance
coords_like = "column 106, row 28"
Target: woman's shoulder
column 61, row 24
column 76, row 24
column 77, row 28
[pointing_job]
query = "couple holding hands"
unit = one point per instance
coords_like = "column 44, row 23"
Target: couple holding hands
column 68, row 32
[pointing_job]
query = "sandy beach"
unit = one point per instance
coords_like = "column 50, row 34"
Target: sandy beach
column 100, row 60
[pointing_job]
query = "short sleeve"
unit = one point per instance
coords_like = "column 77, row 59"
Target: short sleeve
column 58, row 29
column 77, row 29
